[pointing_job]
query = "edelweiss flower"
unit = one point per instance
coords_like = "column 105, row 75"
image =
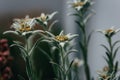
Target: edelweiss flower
column 77, row 62
column 78, row 4
column 61, row 38
column 109, row 32
column 44, row 18
column 23, row 25
column 104, row 73
column 104, row 76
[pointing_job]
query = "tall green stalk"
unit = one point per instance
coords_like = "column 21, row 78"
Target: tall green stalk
column 111, row 51
column 83, row 13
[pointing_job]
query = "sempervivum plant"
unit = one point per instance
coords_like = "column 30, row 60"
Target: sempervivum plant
column 5, row 59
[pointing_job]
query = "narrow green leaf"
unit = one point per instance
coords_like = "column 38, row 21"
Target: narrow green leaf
column 35, row 45
column 52, row 24
column 69, row 52
column 59, row 67
column 45, row 53
column 28, row 68
column 11, row 32
column 89, row 37
column 50, row 34
column 87, row 17
column 116, row 67
column 69, row 67
column 81, row 25
column 41, row 23
column 82, row 46
column 24, row 52
column 20, row 77
column 75, row 14
column 52, row 15
column 18, row 42
column 106, row 59
column 115, row 52
column 37, row 31
column 109, row 57
column 115, row 43
column 105, row 48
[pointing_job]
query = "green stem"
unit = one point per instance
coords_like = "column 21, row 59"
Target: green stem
column 85, row 56
column 28, row 63
column 63, row 63
column 111, row 65
column 110, row 44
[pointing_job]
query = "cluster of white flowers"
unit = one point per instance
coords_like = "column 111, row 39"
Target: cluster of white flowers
column 26, row 25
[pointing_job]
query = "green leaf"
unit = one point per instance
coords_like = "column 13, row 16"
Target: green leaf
column 29, row 68
column 37, row 31
column 87, row 18
column 36, row 44
column 89, row 37
column 106, row 59
column 115, row 52
column 53, row 49
column 45, row 53
column 105, row 48
column 41, row 23
column 52, row 24
column 18, row 42
column 11, row 32
column 69, row 67
column 24, row 54
column 75, row 14
column 82, row 46
column 115, row 43
column 81, row 25
column 20, row 77
column 109, row 60
column 52, row 15
column 116, row 67
column 50, row 34
column 69, row 52
column 59, row 66
column 109, row 57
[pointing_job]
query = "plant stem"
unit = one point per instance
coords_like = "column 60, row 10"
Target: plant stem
column 28, row 63
column 85, row 55
column 111, row 65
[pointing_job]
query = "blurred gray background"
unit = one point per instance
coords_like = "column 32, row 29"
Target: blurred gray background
column 107, row 15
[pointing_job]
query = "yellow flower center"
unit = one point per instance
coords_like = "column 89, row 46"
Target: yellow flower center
column 61, row 38
column 109, row 30
column 78, row 4
column 104, row 76
column 24, row 28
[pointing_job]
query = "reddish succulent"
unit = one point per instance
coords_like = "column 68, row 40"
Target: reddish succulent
column 5, row 59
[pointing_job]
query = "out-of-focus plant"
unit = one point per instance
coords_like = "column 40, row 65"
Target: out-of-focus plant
column 83, row 12
column 109, row 72
column 5, row 60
